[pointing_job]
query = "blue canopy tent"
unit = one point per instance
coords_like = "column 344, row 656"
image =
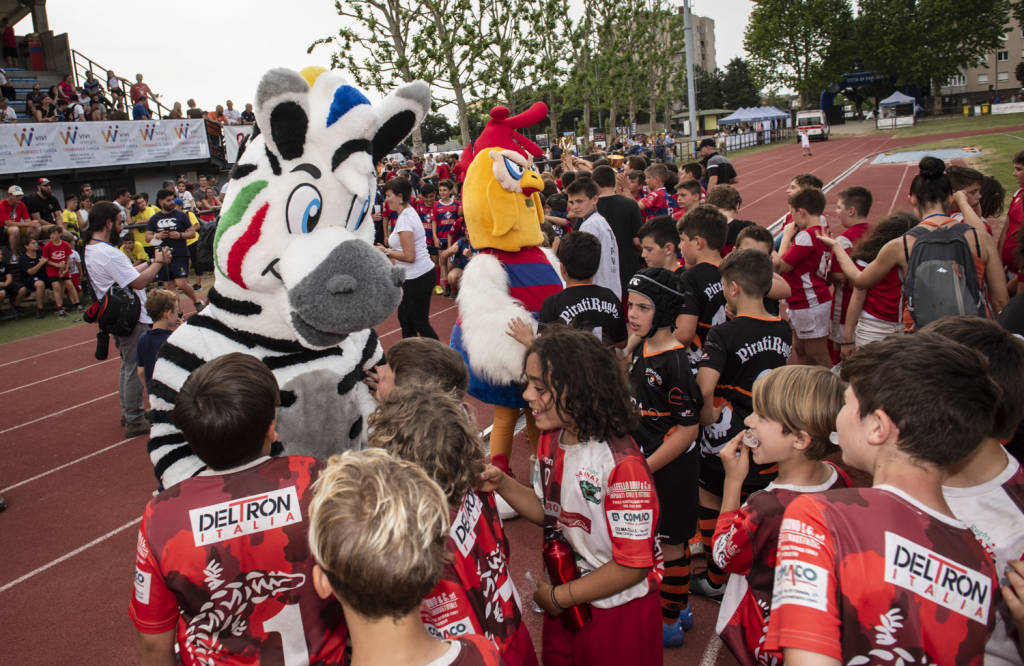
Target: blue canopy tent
column 897, row 99
column 889, row 116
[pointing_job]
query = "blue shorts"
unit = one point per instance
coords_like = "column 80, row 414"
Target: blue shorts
column 178, row 268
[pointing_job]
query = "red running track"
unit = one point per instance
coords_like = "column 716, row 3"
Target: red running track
column 76, row 487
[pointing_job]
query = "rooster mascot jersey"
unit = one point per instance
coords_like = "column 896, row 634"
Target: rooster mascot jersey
column 510, row 276
column 298, row 283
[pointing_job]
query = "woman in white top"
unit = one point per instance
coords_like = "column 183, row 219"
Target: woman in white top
column 407, row 247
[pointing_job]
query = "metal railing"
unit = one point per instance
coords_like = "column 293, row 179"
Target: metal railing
column 82, row 63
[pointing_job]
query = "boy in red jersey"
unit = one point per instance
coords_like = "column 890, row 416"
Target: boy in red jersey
column 378, row 530
column 57, row 253
column 852, row 208
column 658, row 201
column 688, row 197
column 863, row 572
column 427, row 424
column 1009, row 240
column 222, row 558
column 804, row 262
column 448, row 222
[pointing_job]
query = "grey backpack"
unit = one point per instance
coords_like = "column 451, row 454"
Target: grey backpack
column 941, row 279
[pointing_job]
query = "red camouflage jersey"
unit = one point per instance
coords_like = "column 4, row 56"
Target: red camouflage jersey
column 225, row 559
column 476, row 594
column 870, row 575
column 600, row 496
column 744, row 545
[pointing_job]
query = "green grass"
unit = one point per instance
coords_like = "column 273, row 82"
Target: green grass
column 944, row 124
column 27, row 325
column 995, row 156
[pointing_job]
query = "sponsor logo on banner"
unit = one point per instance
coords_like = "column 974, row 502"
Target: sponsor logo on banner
column 143, row 583
column 463, row 530
column 249, row 515
column 454, row 629
column 110, row 134
column 24, row 138
column 936, row 577
column 634, row 525
column 801, row 584
column 181, row 131
column 68, row 135
column 147, row 131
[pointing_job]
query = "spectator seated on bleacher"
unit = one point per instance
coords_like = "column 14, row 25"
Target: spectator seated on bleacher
column 7, row 114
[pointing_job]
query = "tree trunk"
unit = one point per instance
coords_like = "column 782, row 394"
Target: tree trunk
column 586, row 119
column 417, row 141
column 632, row 114
column 654, row 113
column 552, row 118
column 612, row 111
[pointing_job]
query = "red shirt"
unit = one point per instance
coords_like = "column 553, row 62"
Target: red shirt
column 139, row 90
column 56, row 254
column 444, row 172
column 448, row 217
column 809, row 258
column 744, row 545
column 847, row 240
column 1014, row 217
column 868, row 572
column 426, row 214
column 658, row 202
column 224, row 558
column 10, row 213
column 476, row 594
column 883, row 300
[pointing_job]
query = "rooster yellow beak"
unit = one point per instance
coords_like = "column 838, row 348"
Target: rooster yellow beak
column 531, row 182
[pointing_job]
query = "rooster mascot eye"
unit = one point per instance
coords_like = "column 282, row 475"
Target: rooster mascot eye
column 514, row 170
column 303, row 210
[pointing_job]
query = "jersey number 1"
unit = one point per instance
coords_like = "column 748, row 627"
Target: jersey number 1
column 288, row 623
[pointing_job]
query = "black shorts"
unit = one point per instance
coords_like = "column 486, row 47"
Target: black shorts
column 12, row 290
column 10, row 51
column 676, row 485
column 712, row 476
column 178, row 268
column 30, row 280
column 431, row 250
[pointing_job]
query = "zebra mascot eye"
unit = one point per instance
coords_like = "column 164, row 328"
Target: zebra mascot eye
column 303, row 210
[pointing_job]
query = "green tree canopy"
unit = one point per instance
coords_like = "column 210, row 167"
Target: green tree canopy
column 738, row 85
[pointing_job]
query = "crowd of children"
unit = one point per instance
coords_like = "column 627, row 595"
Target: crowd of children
column 684, row 410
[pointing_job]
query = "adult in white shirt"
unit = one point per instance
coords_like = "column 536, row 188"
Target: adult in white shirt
column 582, row 195
column 107, row 265
column 232, row 116
column 407, row 247
column 7, row 114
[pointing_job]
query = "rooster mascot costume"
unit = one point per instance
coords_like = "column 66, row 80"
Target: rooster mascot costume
column 510, row 276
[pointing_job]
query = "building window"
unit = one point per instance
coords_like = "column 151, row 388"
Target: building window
column 982, row 78
column 1004, row 76
column 1002, row 56
column 957, row 80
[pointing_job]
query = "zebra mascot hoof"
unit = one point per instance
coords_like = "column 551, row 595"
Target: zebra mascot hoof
column 298, row 282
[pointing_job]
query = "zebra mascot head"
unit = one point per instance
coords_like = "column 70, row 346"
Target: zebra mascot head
column 295, row 236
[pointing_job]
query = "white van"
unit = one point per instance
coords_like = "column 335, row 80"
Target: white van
column 812, row 122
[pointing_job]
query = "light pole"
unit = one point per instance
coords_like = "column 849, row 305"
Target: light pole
column 691, row 95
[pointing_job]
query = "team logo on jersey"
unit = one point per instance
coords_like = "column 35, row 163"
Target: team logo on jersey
column 463, row 530
column 590, row 485
column 802, row 584
column 936, row 577
column 248, row 515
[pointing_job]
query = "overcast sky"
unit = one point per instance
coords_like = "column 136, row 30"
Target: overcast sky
column 214, row 51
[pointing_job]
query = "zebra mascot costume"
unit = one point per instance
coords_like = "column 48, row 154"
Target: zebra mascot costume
column 298, row 282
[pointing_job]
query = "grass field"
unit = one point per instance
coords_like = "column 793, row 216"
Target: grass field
column 27, row 325
column 943, row 124
column 995, row 157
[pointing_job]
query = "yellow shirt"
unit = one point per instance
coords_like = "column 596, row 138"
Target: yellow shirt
column 136, row 255
column 140, row 234
column 70, row 219
column 194, row 221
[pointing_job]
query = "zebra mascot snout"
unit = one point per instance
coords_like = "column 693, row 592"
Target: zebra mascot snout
column 298, row 282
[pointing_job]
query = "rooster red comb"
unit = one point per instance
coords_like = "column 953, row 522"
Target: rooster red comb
column 501, row 132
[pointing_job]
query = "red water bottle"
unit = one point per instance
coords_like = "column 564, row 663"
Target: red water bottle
column 560, row 562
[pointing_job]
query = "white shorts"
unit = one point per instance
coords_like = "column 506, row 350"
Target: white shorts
column 871, row 329
column 813, row 322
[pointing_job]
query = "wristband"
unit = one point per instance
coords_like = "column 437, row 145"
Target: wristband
column 554, row 602
column 845, row 344
column 571, row 597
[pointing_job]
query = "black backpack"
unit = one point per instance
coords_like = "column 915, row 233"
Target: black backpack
column 204, row 246
column 118, row 311
column 941, row 279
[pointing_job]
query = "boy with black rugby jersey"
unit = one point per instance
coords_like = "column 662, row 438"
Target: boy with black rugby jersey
column 734, row 355
column 702, row 233
column 669, row 403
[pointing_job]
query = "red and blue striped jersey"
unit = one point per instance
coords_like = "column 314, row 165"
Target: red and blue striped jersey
column 449, row 219
column 531, row 277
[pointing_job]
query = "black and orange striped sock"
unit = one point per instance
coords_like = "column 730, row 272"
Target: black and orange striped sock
column 708, row 518
column 675, row 588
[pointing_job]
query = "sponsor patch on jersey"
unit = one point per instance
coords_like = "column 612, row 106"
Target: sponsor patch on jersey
column 142, row 548
column 938, row 578
column 463, row 530
column 801, row 584
column 143, row 581
column 798, row 536
column 454, row 629
column 248, row 515
column 635, row 525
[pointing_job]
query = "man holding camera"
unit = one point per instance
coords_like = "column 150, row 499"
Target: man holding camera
column 107, row 265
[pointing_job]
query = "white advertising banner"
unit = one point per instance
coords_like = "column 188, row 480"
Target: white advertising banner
column 28, row 147
column 234, row 135
column 1008, row 107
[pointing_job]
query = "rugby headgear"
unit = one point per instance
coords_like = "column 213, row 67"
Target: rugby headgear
column 661, row 286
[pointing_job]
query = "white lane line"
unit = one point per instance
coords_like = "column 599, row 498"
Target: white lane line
column 899, row 188
column 46, row 353
column 710, row 656
column 63, row 374
column 67, row 556
column 67, row 464
column 48, row 416
column 399, row 329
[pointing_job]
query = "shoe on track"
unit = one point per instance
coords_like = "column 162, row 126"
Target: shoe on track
column 672, row 635
column 686, row 619
column 705, row 588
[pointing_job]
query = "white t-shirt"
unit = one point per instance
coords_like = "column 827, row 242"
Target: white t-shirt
column 107, row 265
column 409, row 220
column 232, row 116
column 995, row 513
column 608, row 270
column 8, row 116
column 805, row 141
column 188, row 202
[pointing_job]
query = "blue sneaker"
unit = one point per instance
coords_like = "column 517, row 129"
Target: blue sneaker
column 672, row 635
column 686, row 619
